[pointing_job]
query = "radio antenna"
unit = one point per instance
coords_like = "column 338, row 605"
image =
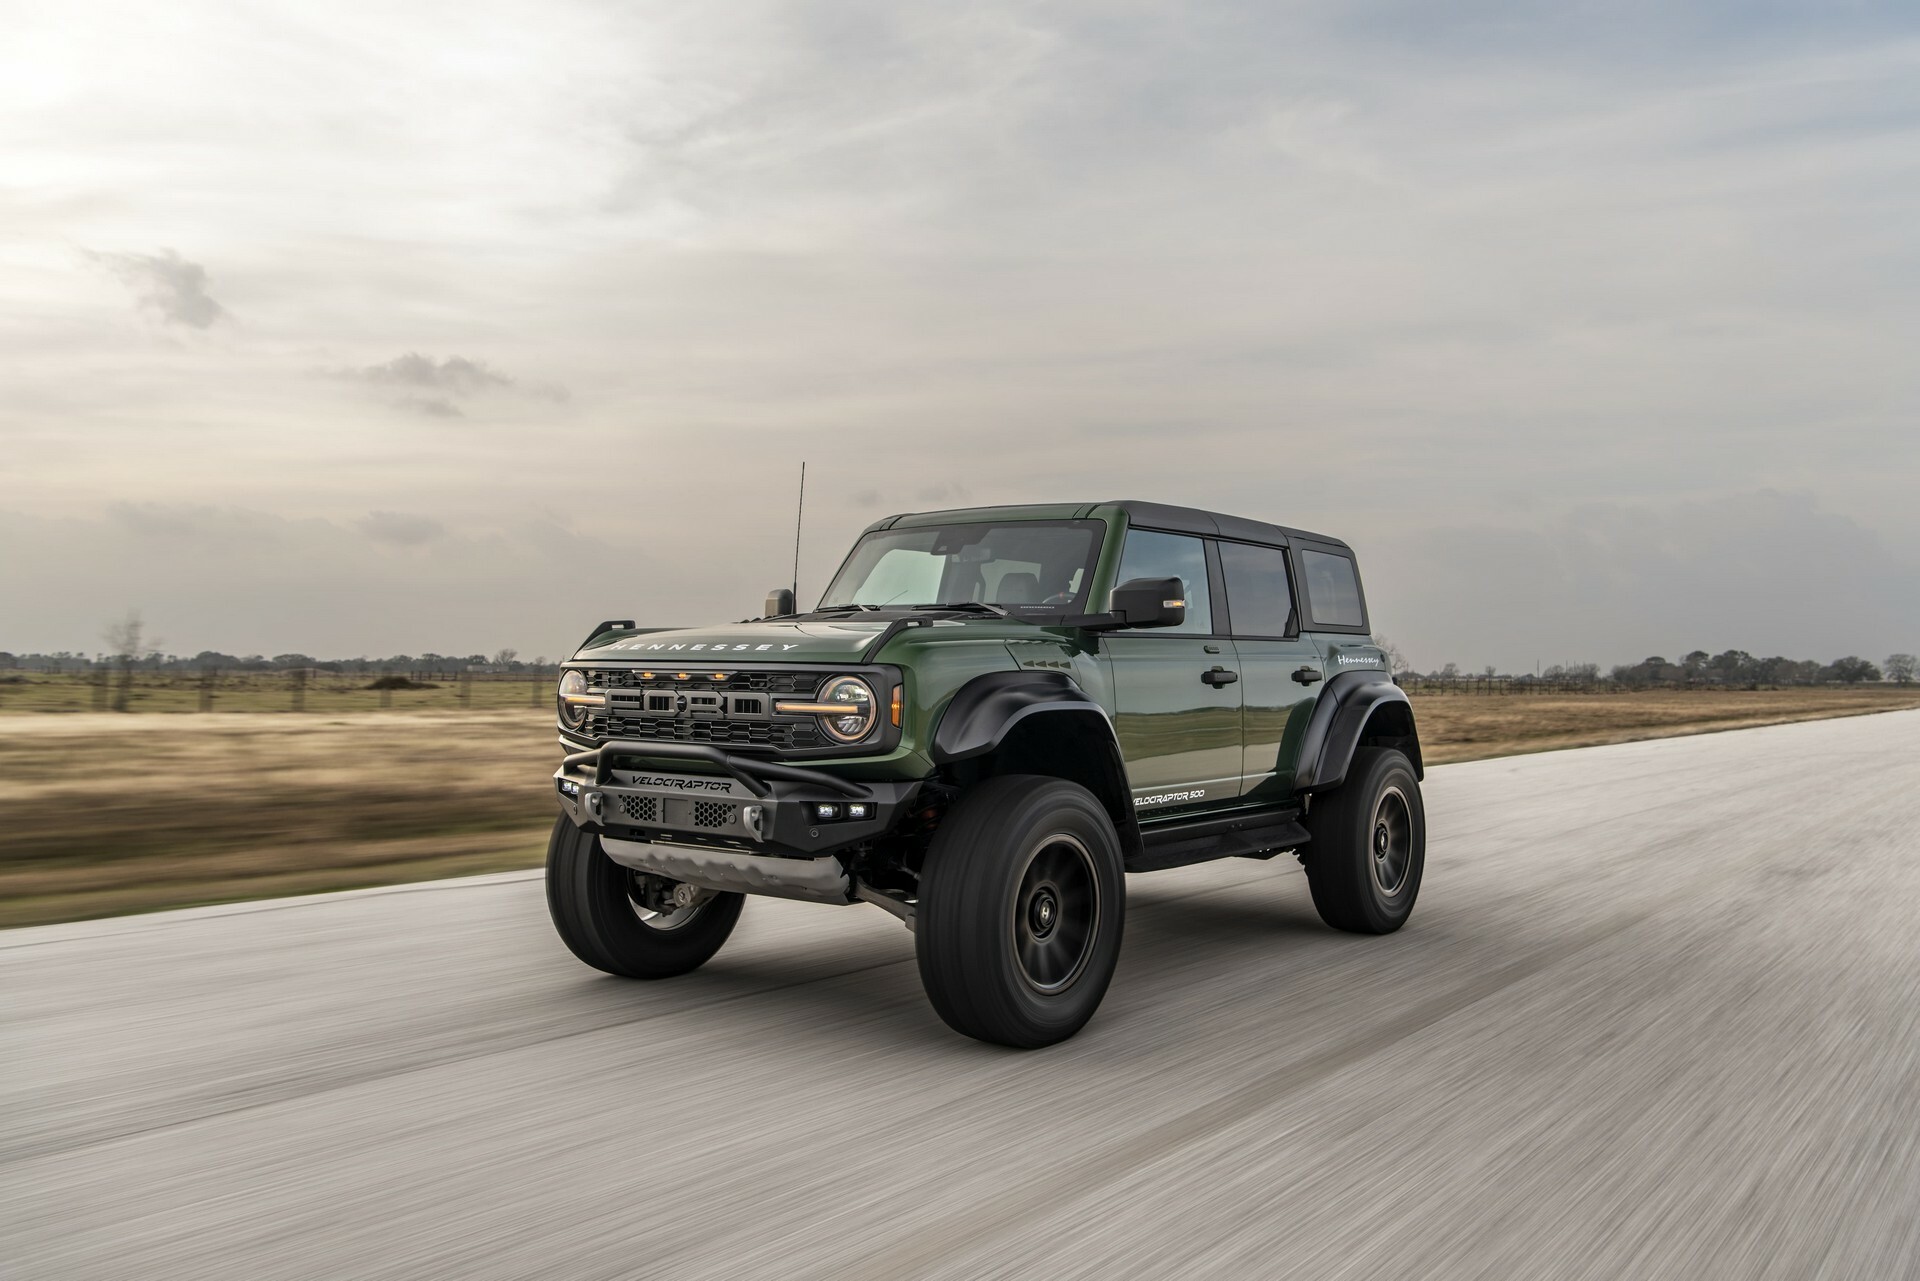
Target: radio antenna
column 798, row 516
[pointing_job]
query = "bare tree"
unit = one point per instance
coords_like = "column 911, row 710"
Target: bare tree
column 127, row 644
column 1396, row 661
column 1900, row 668
column 505, row 657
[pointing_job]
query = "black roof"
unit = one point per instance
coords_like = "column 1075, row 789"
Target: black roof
column 1192, row 520
column 1183, row 520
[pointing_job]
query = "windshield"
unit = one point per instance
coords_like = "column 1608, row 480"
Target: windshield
column 1028, row 567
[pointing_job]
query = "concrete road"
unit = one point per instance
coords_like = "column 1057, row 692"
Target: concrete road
column 1657, row 1015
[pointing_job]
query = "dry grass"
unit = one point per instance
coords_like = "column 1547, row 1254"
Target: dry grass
column 324, row 694
column 104, row 814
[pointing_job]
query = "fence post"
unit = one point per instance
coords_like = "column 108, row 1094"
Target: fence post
column 297, row 680
column 206, row 689
column 466, row 689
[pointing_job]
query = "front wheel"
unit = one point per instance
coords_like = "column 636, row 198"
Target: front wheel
column 625, row 922
column 1369, row 844
column 1022, row 899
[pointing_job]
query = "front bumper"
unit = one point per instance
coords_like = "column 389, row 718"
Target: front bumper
column 763, row 807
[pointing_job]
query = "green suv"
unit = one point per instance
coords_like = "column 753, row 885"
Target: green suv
column 990, row 717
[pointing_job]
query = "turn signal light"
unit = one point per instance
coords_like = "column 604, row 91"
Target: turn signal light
column 894, row 707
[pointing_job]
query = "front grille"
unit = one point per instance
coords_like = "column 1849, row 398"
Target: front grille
column 712, row 814
column 736, row 712
column 640, row 809
column 778, row 736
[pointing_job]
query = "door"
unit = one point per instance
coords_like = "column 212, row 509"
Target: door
column 1176, row 693
column 1280, row 669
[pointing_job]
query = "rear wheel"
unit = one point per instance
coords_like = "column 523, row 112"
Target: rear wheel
column 1022, row 900
column 628, row 923
column 1369, row 845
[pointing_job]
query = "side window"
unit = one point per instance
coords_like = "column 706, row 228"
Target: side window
column 1258, row 595
column 1333, row 590
column 1151, row 555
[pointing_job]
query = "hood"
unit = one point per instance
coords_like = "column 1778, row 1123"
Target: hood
column 767, row 642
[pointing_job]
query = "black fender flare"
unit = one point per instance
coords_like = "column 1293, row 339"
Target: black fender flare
column 1340, row 717
column 986, row 709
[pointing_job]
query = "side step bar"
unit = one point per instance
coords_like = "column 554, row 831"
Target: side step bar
column 1257, row 834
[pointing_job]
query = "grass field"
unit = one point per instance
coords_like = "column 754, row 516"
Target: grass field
column 103, row 814
column 322, row 694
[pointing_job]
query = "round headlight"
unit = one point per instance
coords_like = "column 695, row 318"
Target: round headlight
column 863, row 708
column 573, row 698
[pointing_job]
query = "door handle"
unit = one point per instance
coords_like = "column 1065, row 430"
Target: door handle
column 1219, row 676
column 1306, row 675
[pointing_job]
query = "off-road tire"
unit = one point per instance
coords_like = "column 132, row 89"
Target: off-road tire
column 587, row 896
column 1354, row 888
column 999, row 963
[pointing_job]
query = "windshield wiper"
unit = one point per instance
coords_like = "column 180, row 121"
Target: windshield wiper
column 835, row 609
column 969, row 606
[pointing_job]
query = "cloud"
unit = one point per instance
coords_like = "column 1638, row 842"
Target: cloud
column 167, row 284
column 453, row 378
column 431, row 406
column 1499, row 281
column 252, row 581
column 455, row 375
column 160, row 523
column 1767, row 571
column 400, row 529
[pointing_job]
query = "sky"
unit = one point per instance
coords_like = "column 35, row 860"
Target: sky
column 370, row 328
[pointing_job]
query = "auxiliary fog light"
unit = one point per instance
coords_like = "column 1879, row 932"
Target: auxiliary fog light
column 569, row 787
column 825, row 813
column 859, row 811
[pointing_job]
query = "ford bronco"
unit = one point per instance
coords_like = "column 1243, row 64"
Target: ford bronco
column 989, row 718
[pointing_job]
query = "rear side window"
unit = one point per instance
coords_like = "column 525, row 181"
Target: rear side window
column 1151, row 555
column 1259, row 597
column 1333, row 589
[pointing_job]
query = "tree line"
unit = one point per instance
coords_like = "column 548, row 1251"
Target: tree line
column 1731, row 669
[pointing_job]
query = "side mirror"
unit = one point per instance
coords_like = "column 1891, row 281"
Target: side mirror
column 779, row 603
column 1143, row 602
column 1151, row 602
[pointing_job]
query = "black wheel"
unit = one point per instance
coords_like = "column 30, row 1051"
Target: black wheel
column 625, row 922
column 1022, row 899
column 1369, row 844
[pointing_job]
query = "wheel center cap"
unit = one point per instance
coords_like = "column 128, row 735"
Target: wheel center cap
column 1043, row 913
column 1380, row 841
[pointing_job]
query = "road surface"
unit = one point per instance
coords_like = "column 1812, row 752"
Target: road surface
column 1656, row 1015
